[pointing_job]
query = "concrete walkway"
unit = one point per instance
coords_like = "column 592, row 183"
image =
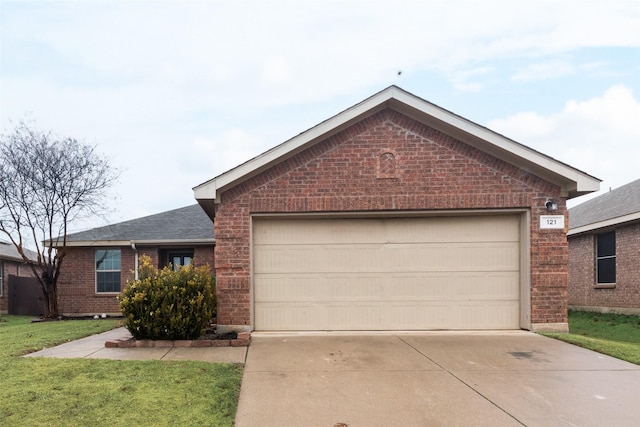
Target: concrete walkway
column 92, row 347
column 433, row 379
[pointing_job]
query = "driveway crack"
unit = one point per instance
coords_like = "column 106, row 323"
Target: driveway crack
column 466, row 384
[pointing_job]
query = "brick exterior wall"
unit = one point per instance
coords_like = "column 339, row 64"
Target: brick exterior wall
column 12, row 268
column 77, row 284
column 583, row 291
column 353, row 171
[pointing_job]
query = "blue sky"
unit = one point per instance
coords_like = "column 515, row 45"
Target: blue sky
column 175, row 93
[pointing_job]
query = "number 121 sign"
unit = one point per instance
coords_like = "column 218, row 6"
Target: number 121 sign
column 552, row 221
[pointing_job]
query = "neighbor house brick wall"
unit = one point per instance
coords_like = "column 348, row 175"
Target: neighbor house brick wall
column 583, row 290
column 77, row 283
column 432, row 171
column 11, row 268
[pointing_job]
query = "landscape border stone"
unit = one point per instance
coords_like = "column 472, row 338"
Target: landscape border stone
column 243, row 340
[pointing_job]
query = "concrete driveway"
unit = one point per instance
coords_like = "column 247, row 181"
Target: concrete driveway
column 433, row 379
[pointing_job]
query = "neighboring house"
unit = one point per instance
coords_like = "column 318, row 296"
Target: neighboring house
column 99, row 261
column 393, row 215
column 604, row 252
column 11, row 264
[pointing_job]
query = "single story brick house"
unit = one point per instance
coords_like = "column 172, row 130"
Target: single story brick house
column 11, row 264
column 99, row 261
column 394, row 214
column 604, row 252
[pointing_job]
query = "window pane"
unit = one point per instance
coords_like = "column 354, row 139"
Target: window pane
column 187, row 260
column 100, row 257
column 108, row 259
column 108, row 281
column 607, row 244
column 607, row 270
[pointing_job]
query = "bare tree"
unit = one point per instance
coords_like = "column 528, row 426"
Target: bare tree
column 47, row 183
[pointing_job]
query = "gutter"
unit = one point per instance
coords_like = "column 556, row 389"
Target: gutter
column 135, row 271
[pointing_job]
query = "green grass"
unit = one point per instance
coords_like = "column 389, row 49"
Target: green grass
column 19, row 336
column 614, row 334
column 81, row 392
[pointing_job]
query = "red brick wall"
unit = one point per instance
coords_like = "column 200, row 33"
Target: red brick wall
column 203, row 255
column 12, row 268
column 583, row 291
column 432, row 172
column 77, row 284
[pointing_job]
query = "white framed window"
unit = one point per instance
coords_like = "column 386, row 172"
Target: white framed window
column 108, row 270
column 1, row 276
column 606, row 258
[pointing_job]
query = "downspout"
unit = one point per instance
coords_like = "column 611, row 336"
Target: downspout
column 135, row 262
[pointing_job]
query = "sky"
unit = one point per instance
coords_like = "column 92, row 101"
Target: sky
column 174, row 93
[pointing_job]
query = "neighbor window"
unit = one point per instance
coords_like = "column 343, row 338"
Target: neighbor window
column 1, row 277
column 179, row 259
column 108, row 270
column 606, row 258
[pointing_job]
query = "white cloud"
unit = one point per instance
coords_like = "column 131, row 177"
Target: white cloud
column 545, row 70
column 219, row 153
column 470, row 80
column 276, row 71
column 178, row 92
column 600, row 136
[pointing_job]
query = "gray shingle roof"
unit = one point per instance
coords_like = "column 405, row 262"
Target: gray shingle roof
column 9, row 251
column 188, row 223
column 616, row 203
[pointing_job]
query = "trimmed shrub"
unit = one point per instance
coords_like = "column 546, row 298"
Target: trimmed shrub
column 166, row 304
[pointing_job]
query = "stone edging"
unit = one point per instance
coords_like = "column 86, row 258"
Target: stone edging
column 243, row 340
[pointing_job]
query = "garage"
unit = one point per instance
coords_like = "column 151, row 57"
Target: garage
column 394, row 214
column 400, row 273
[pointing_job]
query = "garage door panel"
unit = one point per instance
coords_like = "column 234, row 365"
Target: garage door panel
column 400, row 316
column 387, row 257
column 387, row 274
column 387, row 287
column 395, row 230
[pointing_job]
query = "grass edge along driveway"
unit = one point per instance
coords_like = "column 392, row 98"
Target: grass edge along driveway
column 80, row 392
column 612, row 334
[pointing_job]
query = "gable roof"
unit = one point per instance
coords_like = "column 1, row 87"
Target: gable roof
column 8, row 251
column 187, row 225
column 573, row 182
column 615, row 207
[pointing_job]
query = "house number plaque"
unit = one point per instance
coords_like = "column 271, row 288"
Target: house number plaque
column 552, row 221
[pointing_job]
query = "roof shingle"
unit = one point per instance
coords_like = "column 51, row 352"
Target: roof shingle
column 187, row 223
column 616, row 203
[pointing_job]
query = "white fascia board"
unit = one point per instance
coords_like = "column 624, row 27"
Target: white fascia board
column 177, row 242
column 603, row 224
column 572, row 181
column 11, row 258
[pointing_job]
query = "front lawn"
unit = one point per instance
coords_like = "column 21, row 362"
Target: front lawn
column 614, row 334
column 81, row 392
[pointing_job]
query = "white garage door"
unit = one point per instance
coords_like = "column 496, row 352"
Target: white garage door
column 386, row 274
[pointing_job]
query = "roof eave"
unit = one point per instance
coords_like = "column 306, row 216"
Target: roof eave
column 143, row 242
column 611, row 222
column 12, row 258
column 573, row 182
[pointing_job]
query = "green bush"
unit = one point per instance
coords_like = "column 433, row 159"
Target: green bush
column 166, row 304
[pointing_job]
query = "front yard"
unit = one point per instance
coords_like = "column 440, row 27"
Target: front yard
column 81, row 392
column 613, row 334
